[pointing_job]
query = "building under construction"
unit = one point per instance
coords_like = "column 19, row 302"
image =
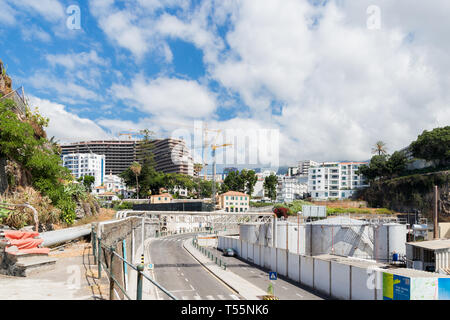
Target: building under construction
column 169, row 155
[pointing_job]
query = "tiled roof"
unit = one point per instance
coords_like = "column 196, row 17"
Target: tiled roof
column 234, row 193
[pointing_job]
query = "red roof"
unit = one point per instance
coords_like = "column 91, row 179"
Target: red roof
column 234, row 193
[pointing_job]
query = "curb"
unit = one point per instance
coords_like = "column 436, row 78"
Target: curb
column 208, row 268
column 246, row 293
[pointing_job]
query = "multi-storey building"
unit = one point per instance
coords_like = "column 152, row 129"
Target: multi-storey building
column 335, row 180
column 290, row 189
column 119, row 154
column 303, row 167
column 170, row 155
column 83, row 164
column 233, row 201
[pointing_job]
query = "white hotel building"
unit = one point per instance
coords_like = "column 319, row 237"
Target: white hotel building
column 86, row 164
column 334, row 180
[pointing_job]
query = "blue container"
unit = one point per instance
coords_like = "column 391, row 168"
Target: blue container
column 395, row 257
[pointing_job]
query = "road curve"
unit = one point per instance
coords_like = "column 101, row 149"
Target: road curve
column 182, row 275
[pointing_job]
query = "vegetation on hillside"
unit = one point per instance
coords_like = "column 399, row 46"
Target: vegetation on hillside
column 33, row 162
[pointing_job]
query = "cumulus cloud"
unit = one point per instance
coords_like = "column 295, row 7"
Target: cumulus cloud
column 168, row 97
column 65, row 126
column 51, row 10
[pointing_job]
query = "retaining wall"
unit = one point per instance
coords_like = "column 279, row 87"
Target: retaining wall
column 340, row 277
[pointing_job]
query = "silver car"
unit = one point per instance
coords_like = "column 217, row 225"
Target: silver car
column 228, row 252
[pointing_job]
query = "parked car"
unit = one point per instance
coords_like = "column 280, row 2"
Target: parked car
column 228, row 252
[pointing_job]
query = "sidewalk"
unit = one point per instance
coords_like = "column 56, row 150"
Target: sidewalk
column 238, row 284
column 72, row 278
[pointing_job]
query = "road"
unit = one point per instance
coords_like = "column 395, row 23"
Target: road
column 284, row 289
column 185, row 278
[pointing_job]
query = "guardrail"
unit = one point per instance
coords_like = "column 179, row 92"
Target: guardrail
column 98, row 247
column 209, row 254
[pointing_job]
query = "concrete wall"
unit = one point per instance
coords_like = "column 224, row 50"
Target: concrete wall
column 340, row 278
column 322, row 276
column 354, row 280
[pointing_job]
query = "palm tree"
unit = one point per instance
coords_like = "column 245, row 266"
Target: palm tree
column 198, row 168
column 136, row 168
column 380, row 148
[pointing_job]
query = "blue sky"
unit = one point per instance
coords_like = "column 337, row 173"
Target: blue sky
column 312, row 70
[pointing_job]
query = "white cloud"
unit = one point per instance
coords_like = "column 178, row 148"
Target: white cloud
column 169, row 97
column 76, row 60
column 342, row 86
column 7, row 14
column 51, row 10
column 65, row 126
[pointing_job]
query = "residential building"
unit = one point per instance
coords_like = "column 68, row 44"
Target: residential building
column 335, row 180
column 119, row 154
column 233, row 201
column 82, row 164
column 161, row 198
column 114, row 183
column 290, row 189
column 170, row 155
column 303, row 167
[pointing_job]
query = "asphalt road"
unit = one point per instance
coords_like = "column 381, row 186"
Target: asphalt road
column 185, row 278
column 283, row 288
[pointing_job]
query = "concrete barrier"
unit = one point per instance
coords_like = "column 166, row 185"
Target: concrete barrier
column 340, row 279
column 293, row 267
column 322, row 276
column 282, row 262
column 307, row 271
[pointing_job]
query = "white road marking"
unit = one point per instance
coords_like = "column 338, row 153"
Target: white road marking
column 186, row 279
column 184, row 298
column 182, row 274
column 210, row 297
column 252, row 271
column 299, row 295
column 221, row 297
column 197, row 297
column 284, row 288
column 234, row 297
column 192, row 287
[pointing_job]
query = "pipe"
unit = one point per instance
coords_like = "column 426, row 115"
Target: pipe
column 52, row 238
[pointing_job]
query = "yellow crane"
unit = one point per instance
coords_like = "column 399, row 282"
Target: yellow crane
column 214, row 147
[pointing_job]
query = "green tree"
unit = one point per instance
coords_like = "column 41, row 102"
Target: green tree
column 270, row 186
column 396, row 163
column 433, row 145
column 250, row 179
column 88, row 182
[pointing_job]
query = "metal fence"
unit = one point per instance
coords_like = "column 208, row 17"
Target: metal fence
column 105, row 257
column 18, row 96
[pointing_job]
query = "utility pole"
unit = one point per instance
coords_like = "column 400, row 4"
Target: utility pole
column 436, row 215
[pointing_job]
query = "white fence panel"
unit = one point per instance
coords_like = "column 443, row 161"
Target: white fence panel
column 273, row 259
column 257, row 254
column 294, row 267
column 361, row 290
column 237, row 246
column 307, row 271
column 267, row 256
column 250, row 256
column 340, row 280
column 322, row 276
column 244, row 250
column 282, row 262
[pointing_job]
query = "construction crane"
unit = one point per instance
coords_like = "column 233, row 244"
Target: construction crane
column 214, row 148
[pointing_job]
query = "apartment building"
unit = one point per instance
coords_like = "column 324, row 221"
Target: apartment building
column 303, row 167
column 290, row 189
column 119, row 154
column 170, row 155
column 335, row 180
column 233, row 201
column 82, row 164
